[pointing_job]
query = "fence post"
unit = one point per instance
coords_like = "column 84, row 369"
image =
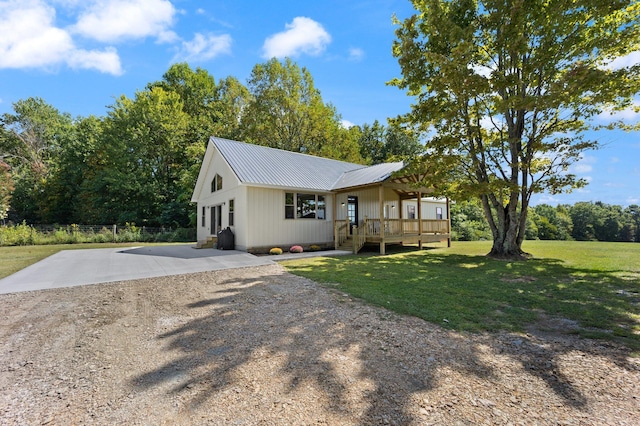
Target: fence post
column 114, row 232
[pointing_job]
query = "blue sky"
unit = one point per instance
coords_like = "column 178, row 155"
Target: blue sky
column 79, row 55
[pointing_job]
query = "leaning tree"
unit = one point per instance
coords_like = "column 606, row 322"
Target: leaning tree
column 506, row 90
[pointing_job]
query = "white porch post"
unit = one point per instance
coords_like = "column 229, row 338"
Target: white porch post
column 448, row 222
column 420, row 220
column 335, row 221
column 381, row 216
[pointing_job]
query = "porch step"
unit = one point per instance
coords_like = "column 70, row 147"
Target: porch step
column 210, row 242
column 346, row 245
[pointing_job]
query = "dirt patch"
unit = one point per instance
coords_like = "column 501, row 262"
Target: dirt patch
column 261, row 346
column 518, row 279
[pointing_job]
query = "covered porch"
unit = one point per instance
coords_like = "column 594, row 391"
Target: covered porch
column 386, row 221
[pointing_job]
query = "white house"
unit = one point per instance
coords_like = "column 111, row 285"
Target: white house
column 274, row 198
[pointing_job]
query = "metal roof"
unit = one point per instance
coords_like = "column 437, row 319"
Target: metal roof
column 367, row 175
column 260, row 165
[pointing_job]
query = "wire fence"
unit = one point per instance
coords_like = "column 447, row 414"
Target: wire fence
column 24, row 234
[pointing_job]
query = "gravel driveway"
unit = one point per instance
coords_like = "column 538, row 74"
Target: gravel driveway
column 260, row 346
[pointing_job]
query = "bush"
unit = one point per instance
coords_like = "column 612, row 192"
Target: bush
column 275, row 251
column 314, row 247
column 295, row 249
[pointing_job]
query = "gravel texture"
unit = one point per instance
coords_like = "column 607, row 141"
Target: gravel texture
column 259, row 346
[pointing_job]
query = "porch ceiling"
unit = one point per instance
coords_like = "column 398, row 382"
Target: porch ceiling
column 407, row 186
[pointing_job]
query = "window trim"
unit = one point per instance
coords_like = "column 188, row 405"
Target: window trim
column 231, row 211
column 292, row 210
column 216, row 183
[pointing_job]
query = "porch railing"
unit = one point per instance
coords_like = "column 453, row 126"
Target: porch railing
column 341, row 232
column 359, row 238
column 399, row 227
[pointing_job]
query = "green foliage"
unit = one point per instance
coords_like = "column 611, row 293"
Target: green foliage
column 6, row 189
column 286, row 111
column 604, row 222
column 30, row 141
column 507, row 88
column 23, row 234
column 468, row 222
column 379, row 144
column 567, row 280
column 275, row 251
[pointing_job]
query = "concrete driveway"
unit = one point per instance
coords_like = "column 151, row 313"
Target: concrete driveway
column 70, row 268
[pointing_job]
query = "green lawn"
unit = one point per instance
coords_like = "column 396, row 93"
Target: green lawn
column 13, row 259
column 590, row 288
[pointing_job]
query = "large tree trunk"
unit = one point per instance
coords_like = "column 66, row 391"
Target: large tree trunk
column 506, row 225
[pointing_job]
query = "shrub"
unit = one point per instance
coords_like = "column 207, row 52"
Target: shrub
column 314, row 247
column 275, row 251
column 295, row 249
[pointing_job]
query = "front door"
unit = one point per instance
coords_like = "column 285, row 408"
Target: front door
column 352, row 212
column 216, row 219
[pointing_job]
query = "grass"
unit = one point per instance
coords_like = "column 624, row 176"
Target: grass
column 589, row 288
column 13, row 259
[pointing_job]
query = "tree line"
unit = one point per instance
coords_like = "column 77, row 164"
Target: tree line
column 139, row 163
column 582, row 221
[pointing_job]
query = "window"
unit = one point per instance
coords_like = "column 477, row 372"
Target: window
column 321, row 208
column 231, row 208
column 411, row 212
column 304, row 206
column 438, row 212
column 203, row 221
column 216, row 183
column 289, row 205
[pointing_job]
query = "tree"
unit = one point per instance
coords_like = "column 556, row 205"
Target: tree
column 552, row 223
column 139, row 160
column 233, row 98
column 6, row 188
column 29, row 143
column 72, row 166
column 379, row 143
column 584, row 217
column 286, row 111
column 508, row 88
column 467, row 222
column 633, row 212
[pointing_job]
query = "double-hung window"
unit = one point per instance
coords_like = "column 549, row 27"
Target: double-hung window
column 231, row 211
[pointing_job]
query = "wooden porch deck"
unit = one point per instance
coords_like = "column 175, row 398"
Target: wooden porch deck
column 392, row 231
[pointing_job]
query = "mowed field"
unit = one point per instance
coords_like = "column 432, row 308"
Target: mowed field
column 586, row 288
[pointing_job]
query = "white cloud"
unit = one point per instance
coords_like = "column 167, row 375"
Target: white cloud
column 204, row 47
column 106, row 61
column 584, row 165
column 633, row 200
column 346, row 124
column 303, row 35
column 29, row 39
column 115, row 20
column 625, row 61
column 356, row 54
column 630, row 114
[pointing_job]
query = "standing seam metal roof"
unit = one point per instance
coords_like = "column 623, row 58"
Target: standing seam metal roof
column 260, row 165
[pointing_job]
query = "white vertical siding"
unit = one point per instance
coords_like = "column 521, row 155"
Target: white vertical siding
column 207, row 199
column 267, row 226
column 369, row 204
column 429, row 206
